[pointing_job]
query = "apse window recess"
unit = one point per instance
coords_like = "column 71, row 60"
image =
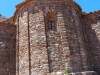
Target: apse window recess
column 51, row 26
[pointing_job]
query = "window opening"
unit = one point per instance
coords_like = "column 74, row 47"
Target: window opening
column 51, row 25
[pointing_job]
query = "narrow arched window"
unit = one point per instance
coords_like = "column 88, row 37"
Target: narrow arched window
column 51, row 25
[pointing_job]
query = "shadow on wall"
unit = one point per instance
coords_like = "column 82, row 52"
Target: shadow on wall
column 7, row 49
column 91, row 29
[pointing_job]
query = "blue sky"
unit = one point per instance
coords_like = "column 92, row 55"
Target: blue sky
column 7, row 7
column 89, row 5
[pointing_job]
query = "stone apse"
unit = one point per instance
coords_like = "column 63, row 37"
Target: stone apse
column 53, row 36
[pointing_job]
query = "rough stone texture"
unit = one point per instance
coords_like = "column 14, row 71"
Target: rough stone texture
column 7, row 49
column 52, row 37
column 75, row 73
column 50, row 50
column 8, row 20
column 23, row 46
column 91, row 29
column 38, row 55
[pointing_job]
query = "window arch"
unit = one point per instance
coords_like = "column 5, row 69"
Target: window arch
column 51, row 21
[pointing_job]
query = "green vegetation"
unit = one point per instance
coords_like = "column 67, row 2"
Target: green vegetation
column 65, row 70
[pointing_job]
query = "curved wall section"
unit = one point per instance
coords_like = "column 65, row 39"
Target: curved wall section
column 49, row 38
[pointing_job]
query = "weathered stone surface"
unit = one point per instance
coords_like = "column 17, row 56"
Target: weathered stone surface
column 7, row 49
column 75, row 73
column 52, row 50
column 53, row 37
column 91, row 30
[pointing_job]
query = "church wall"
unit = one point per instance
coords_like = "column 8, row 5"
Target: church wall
column 33, row 37
column 7, row 49
column 75, row 38
column 41, row 50
column 22, row 44
column 91, row 26
column 50, row 37
column 8, row 20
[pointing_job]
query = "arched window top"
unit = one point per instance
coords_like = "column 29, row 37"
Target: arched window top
column 51, row 15
column 51, row 20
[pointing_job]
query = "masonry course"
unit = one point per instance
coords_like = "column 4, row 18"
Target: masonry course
column 50, row 37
